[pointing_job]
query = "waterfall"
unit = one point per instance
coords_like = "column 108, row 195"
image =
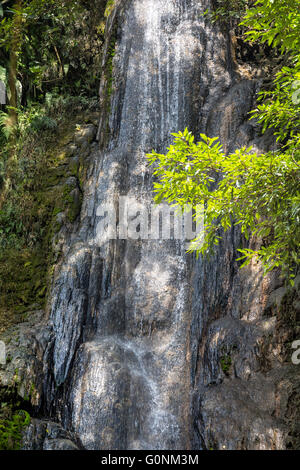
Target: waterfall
column 119, row 369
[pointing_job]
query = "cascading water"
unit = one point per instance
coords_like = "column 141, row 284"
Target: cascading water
column 119, row 314
column 119, row 365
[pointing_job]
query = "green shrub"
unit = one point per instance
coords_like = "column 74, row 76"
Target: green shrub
column 225, row 362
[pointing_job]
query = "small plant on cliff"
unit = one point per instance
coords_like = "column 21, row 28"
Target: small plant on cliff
column 109, row 8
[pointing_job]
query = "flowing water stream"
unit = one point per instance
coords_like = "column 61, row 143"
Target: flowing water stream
column 119, row 364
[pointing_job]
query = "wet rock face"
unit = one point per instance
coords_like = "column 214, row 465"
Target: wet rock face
column 147, row 347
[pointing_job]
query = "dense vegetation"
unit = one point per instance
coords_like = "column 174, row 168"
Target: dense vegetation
column 260, row 193
column 49, row 50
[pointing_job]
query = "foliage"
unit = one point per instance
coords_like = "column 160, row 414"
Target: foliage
column 60, row 45
column 109, row 8
column 227, row 12
column 11, row 430
column 225, row 362
column 276, row 22
column 28, row 217
column 5, row 128
column 38, row 140
column 279, row 109
column 43, row 123
column 47, row 49
column 57, row 73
